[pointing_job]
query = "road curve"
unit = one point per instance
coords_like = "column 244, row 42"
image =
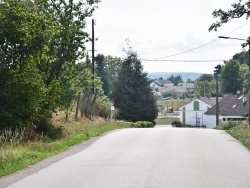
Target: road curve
column 147, row 158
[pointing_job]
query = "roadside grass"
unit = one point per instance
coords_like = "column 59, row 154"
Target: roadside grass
column 17, row 156
column 165, row 121
column 240, row 131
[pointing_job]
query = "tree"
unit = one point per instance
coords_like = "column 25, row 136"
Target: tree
column 175, row 79
column 40, row 43
column 206, row 77
column 229, row 76
column 243, row 82
column 102, row 73
column 132, row 93
column 242, row 57
column 189, row 81
column 238, row 10
column 205, row 84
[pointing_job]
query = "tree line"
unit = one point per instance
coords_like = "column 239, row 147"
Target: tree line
column 43, row 64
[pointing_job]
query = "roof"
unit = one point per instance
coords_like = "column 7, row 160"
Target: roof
column 231, row 105
column 190, row 86
column 177, row 89
column 164, row 81
column 208, row 102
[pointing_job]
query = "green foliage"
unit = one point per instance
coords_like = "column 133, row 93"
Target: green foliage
column 229, row 125
column 143, row 124
column 102, row 73
column 241, row 132
column 132, row 93
column 242, row 57
column 177, row 123
column 19, row 155
column 175, row 79
column 238, row 10
column 40, row 43
column 207, row 82
column 244, row 78
column 172, row 94
column 229, row 75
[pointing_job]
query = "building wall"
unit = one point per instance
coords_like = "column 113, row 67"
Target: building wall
column 210, row 120
column 193, row 113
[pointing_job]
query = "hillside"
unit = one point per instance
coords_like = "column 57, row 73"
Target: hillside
column 184, row 75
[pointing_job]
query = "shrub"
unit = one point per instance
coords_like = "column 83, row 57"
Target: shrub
column 177, row 123
column 143, row 124
column 170, row 109
column 229, row 125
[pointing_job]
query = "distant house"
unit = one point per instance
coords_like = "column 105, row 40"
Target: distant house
column 231, row 107
column 190, row 87
column 193, row 113
column 160, row 83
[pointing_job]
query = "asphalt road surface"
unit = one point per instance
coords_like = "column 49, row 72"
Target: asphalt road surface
column 146, row 158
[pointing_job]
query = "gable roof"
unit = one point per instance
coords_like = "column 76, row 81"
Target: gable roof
column 231, row 105
column 177, row 89
column 190, row 86
column 210, row 102
column 164, row 81
column 205, row 101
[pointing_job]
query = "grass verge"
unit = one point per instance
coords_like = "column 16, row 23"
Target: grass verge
column 165, row 121
column 17, row 156
column 239, row 130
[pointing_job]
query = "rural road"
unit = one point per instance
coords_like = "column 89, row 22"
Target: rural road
column 150, row 158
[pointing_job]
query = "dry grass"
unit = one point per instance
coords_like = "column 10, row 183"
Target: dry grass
column 17, row 155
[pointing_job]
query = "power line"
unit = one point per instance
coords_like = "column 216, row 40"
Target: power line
column 171, row 60
column 201, row 45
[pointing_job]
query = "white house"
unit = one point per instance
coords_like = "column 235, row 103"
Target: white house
column 231, row 108
column 193, row 113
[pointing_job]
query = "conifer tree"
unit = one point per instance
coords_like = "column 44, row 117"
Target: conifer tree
column 132, row 93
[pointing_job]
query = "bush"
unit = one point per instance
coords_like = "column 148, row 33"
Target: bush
column 170, row 110
column 177, row 123
column 229, row 125
column 143, row 124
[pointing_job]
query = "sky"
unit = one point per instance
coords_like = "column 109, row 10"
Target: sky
column 160, row 28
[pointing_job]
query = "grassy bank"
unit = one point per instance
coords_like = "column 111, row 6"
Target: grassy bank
column 15, row 156
column 240, row 131
column 165, row 121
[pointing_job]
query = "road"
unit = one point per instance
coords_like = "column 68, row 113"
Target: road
column 147, row 158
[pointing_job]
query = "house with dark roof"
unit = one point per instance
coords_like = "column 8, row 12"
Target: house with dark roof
column 192, row 114
column 160, row 83
column 232, row 107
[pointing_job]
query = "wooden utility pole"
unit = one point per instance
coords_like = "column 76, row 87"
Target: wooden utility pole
column 93, row 56
column 77, row 106
column 216, row 74
column 217, row 100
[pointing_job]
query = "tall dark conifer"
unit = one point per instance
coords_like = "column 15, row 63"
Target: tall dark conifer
column 132, row 93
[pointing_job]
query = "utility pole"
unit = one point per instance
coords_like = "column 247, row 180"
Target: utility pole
column 248, row 42
column 217, row 71
column 204, row 89
column 93, row 56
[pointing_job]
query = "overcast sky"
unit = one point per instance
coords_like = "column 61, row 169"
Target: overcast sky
column 160, row 28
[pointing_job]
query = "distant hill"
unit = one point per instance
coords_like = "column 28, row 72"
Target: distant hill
column 184, row 75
